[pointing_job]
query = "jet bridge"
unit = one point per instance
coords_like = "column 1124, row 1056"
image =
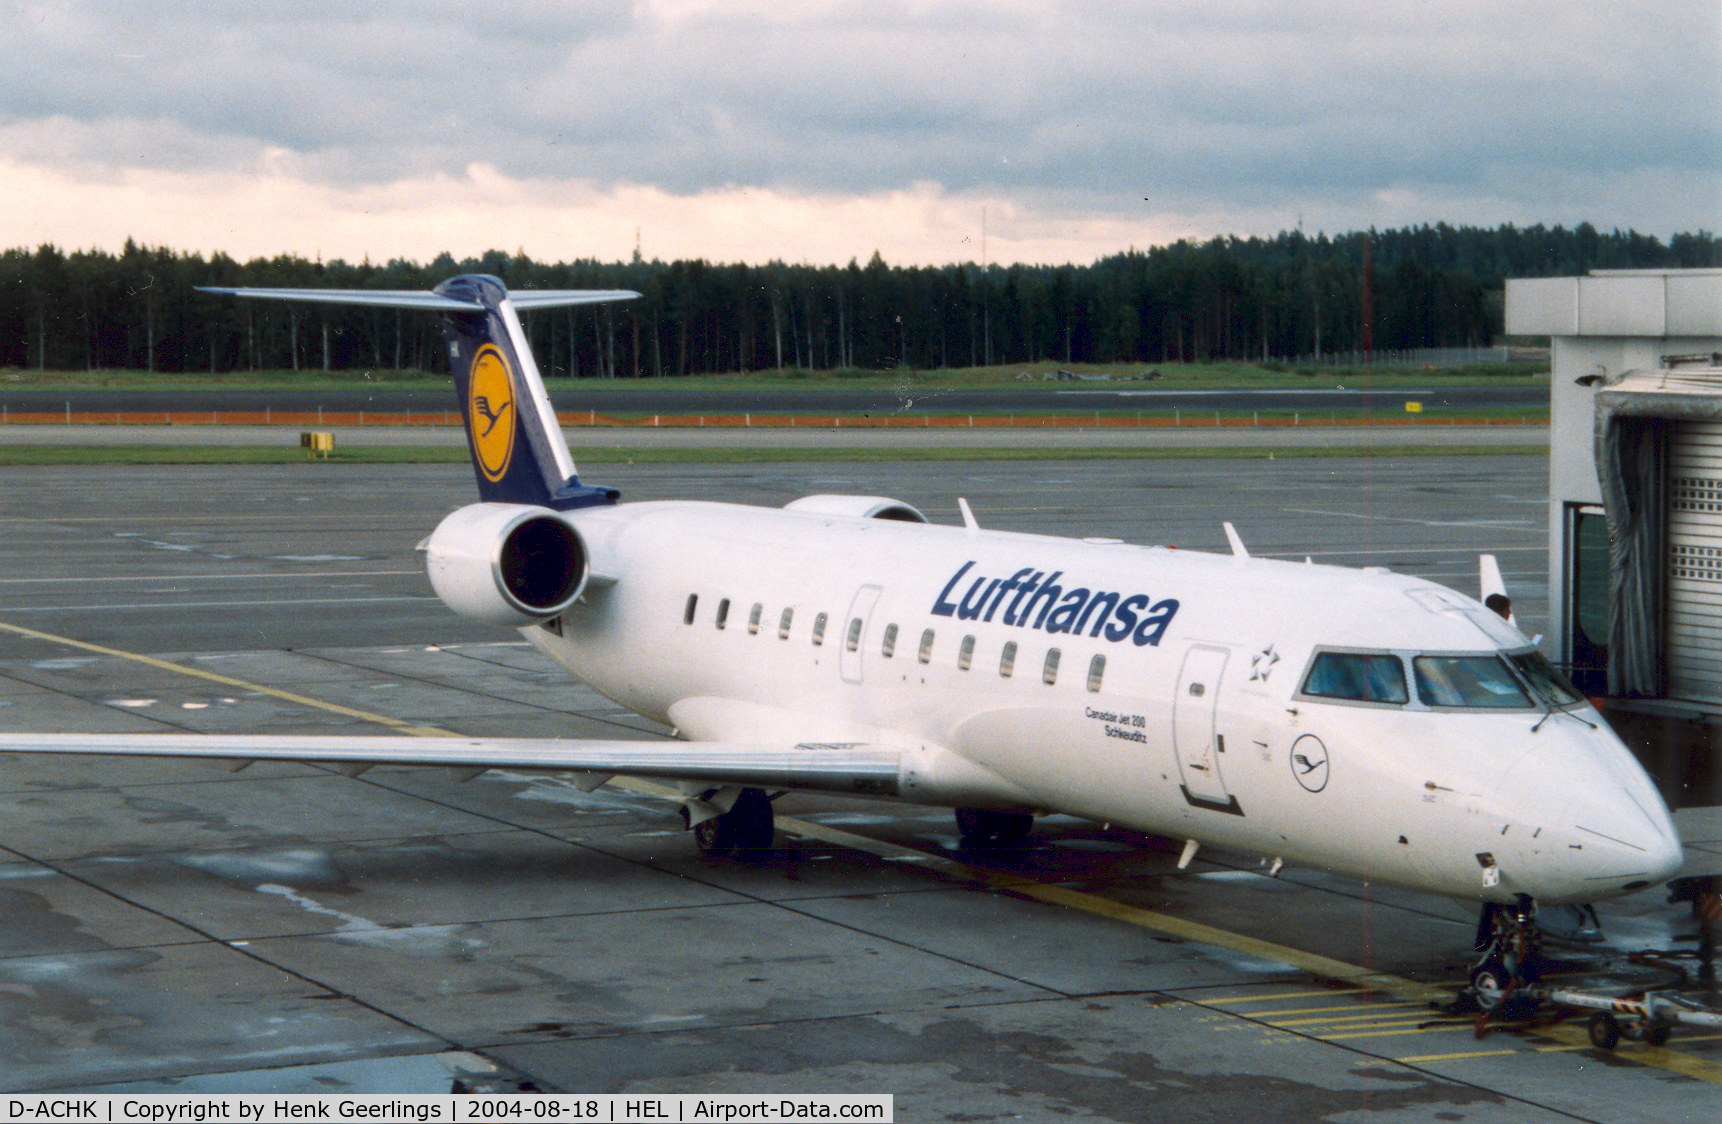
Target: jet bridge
column 1635, row 505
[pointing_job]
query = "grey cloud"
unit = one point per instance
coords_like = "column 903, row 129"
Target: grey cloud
column 1236, row 104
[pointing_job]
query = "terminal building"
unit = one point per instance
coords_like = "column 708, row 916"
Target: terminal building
column 1635, row 506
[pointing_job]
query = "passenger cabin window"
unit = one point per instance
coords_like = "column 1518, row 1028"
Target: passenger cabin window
column 783, row 624
column 753, row 619
column 819, row 630
column 853, row 640
column 688, row 613
column 1007, row 660
column 926, row 655
column 966, row 654
column 1049, row 670
column 888, row 647
column 723, row 613
column 1373, row 677
column 1470, row 681
column 1096, row 672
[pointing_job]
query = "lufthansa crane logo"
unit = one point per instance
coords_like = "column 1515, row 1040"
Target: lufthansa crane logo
column 1309, row 762
column 489, row 412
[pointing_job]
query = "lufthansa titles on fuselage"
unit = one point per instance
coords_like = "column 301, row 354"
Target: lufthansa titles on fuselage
column 1032, row 598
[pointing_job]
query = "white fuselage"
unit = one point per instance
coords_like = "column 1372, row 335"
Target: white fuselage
column 1172, row 704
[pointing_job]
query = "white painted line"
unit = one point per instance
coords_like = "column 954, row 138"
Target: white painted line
column 1369, row 551
column 205, row 604
column 272, row 575
column 1488, row 524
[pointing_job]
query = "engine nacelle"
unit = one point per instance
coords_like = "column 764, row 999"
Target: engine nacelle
column 859, row 507
column 506, row 563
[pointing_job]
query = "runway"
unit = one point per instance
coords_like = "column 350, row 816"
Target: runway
column 178, row 927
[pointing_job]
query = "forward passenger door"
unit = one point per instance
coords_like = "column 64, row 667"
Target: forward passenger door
column 1198, row 743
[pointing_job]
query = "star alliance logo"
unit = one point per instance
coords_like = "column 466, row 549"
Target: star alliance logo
column 1262, row 664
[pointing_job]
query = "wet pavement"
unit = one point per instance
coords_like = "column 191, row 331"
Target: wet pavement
column 182, row 927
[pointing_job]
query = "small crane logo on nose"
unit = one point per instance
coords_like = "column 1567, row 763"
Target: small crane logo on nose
column 1309, row 762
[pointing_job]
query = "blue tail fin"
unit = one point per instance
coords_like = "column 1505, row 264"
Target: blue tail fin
column 518, row 452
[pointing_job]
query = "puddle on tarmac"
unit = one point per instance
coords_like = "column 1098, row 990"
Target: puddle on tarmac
column 422, row 1073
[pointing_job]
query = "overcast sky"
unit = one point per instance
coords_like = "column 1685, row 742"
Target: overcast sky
column 821, row 131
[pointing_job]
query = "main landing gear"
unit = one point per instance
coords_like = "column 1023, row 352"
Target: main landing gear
column 748, row 825
column 980, row 827
column 1509, row 944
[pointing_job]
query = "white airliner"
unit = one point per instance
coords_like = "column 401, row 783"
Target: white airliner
column 1355, row 721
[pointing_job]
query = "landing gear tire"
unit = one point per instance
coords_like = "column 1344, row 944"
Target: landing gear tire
column 980, row 826
column 748, row 826
column 1604, row 1031
column 1491, row 984
column 1508, row 938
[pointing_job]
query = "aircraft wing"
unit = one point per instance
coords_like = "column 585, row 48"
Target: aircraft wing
column 844, row 767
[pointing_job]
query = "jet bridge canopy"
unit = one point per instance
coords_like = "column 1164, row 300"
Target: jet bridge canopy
column 1635, row 516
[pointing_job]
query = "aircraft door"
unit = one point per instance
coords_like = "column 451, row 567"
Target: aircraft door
column 1193, row 733
column 854, row 635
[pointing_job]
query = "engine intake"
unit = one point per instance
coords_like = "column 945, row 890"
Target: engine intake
column 507, row 564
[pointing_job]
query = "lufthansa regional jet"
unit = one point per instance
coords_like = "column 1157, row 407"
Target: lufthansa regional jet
column 1353, row 720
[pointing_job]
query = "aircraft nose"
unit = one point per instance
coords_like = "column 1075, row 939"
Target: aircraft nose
column 1607, row 830
column 1622, row 846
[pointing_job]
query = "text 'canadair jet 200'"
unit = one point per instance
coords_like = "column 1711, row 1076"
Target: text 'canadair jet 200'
column 1359, row 721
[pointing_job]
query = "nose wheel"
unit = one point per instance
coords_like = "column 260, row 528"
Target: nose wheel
column 1510, row 961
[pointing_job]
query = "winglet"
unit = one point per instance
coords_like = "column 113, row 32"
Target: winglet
column 1492, row 589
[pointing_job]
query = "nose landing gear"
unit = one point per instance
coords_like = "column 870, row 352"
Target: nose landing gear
column 1509, row 944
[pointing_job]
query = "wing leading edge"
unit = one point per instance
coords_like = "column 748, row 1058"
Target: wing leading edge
column 843, row 767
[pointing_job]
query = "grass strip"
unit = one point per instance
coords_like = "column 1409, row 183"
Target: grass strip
column 20, row 455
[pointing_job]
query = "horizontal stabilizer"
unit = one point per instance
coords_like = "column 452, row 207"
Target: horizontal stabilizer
column 841, row 767
column 528, row 299
column 375, row 298
column 524, row 300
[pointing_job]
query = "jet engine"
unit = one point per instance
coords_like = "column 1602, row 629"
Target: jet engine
column 858, row 507
column 504, row 563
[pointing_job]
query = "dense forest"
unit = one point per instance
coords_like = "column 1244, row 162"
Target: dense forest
column 1231, row 298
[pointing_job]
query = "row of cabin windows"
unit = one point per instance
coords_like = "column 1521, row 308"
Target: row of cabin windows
column 888, row 645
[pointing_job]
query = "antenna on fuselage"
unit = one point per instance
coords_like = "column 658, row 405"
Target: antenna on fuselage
column 968, row 516
column 1237, row 541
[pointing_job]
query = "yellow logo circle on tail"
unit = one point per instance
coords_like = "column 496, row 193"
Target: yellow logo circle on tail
column 490, row 412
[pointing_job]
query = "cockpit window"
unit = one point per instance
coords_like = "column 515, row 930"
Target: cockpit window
column 1549, row 684
column 1358, row 676
column 1471, row 681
